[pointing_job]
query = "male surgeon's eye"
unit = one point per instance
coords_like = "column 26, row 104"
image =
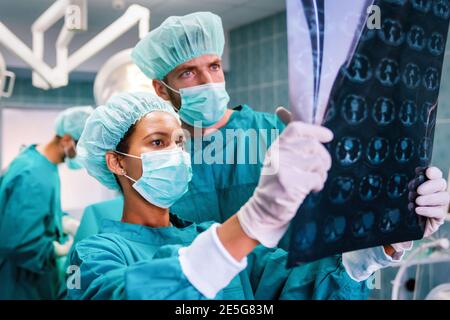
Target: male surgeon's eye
column 186, row 74
column 215, row 66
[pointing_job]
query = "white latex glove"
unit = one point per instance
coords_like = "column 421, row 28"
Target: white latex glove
column 211, row 277
column 300, row 162
column 361, row 264
column 432, row 202
column 70, row 225
column 62, row 249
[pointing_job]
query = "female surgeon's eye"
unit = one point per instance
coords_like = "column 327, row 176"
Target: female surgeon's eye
column 157, row 142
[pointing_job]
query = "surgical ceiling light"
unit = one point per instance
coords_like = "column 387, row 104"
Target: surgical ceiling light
column 120, row 74
column 74, row 13
column 6, row 86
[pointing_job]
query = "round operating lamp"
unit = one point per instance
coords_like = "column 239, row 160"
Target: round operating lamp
column 6, row 87
column 120, row 74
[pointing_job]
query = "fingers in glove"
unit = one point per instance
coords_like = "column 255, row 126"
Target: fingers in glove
column 297, row 129
column 317, row 182
column 284, row 114
column 432, row 212
column 432, row 226
column 432, row 186
column 433, row 200
column 302, row 152
column 433, row 173
column 310, row 163
column 317, row 151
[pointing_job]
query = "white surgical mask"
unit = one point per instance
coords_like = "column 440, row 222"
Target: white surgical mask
column 204, row 105
column 165, row 176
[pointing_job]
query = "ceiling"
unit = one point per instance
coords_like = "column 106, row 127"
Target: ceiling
column 18, row 15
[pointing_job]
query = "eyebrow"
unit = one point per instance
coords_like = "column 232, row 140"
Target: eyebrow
column 188, row 66
column 155, row 133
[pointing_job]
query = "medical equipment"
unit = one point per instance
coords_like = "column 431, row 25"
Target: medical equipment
column 448, row 184
column 120, row 74
column 74, row 12
column 6, row 87
column 440, row 244
column 441, row 292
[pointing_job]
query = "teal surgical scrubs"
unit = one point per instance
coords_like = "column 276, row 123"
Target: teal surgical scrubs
column 218, row 189
column 94, row 215
column 130, row 261
column 30, row 220
column 226, row 165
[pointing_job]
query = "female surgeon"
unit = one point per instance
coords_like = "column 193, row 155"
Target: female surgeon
column 134, row 144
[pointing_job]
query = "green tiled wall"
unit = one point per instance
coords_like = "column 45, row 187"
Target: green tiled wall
column 258, row 64
column 259, row 76
column 25, row 95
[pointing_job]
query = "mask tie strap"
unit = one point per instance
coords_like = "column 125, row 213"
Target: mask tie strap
column 127, row 155
column 169, row 87
column 129, row 178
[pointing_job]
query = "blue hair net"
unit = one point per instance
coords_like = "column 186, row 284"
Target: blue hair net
column 107, row 126
column 72, row 120
column 177, row 40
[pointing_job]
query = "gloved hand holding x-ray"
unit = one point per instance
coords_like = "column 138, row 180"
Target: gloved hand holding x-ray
column 372, row 76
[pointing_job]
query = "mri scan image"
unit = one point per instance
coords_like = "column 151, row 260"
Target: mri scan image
column 382, row 111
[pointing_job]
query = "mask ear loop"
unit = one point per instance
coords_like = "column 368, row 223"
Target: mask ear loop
column 124, row 173
column 169, row 87
column 127, row 155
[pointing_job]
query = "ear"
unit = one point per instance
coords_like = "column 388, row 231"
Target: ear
column 66, row 141
column 115, row 163
column 161, row 90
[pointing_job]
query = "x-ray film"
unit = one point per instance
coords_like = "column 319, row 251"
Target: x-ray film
column 382, row 110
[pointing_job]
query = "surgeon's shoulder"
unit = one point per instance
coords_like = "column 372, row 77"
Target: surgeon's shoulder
column 260, row 119
column 22, row 175
column 99, row 244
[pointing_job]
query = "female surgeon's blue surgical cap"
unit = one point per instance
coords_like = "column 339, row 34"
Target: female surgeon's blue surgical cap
column 72, row 120
column 178, row 40
column 108, row 124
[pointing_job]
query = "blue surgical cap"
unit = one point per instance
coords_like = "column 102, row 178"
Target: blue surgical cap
column 72, row 120
column 178, row 40
column 107, row 126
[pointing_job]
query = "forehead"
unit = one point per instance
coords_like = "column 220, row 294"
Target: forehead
column 157, row 121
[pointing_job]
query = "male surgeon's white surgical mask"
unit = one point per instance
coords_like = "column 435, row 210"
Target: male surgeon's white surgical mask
column 204, row 105
column 72, row 163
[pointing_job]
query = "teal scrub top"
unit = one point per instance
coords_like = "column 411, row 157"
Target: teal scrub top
column 92, row 219
column 222, row 183
column 30, row 220
column 129, row 261
column 94, row 215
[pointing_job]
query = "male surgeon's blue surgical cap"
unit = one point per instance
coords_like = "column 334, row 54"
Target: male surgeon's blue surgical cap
column 108, row 124
column 178, row 40
column 72, row 120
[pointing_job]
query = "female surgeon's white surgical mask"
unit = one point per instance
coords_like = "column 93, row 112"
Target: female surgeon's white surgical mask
column 204, row 105
column 165, row 176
